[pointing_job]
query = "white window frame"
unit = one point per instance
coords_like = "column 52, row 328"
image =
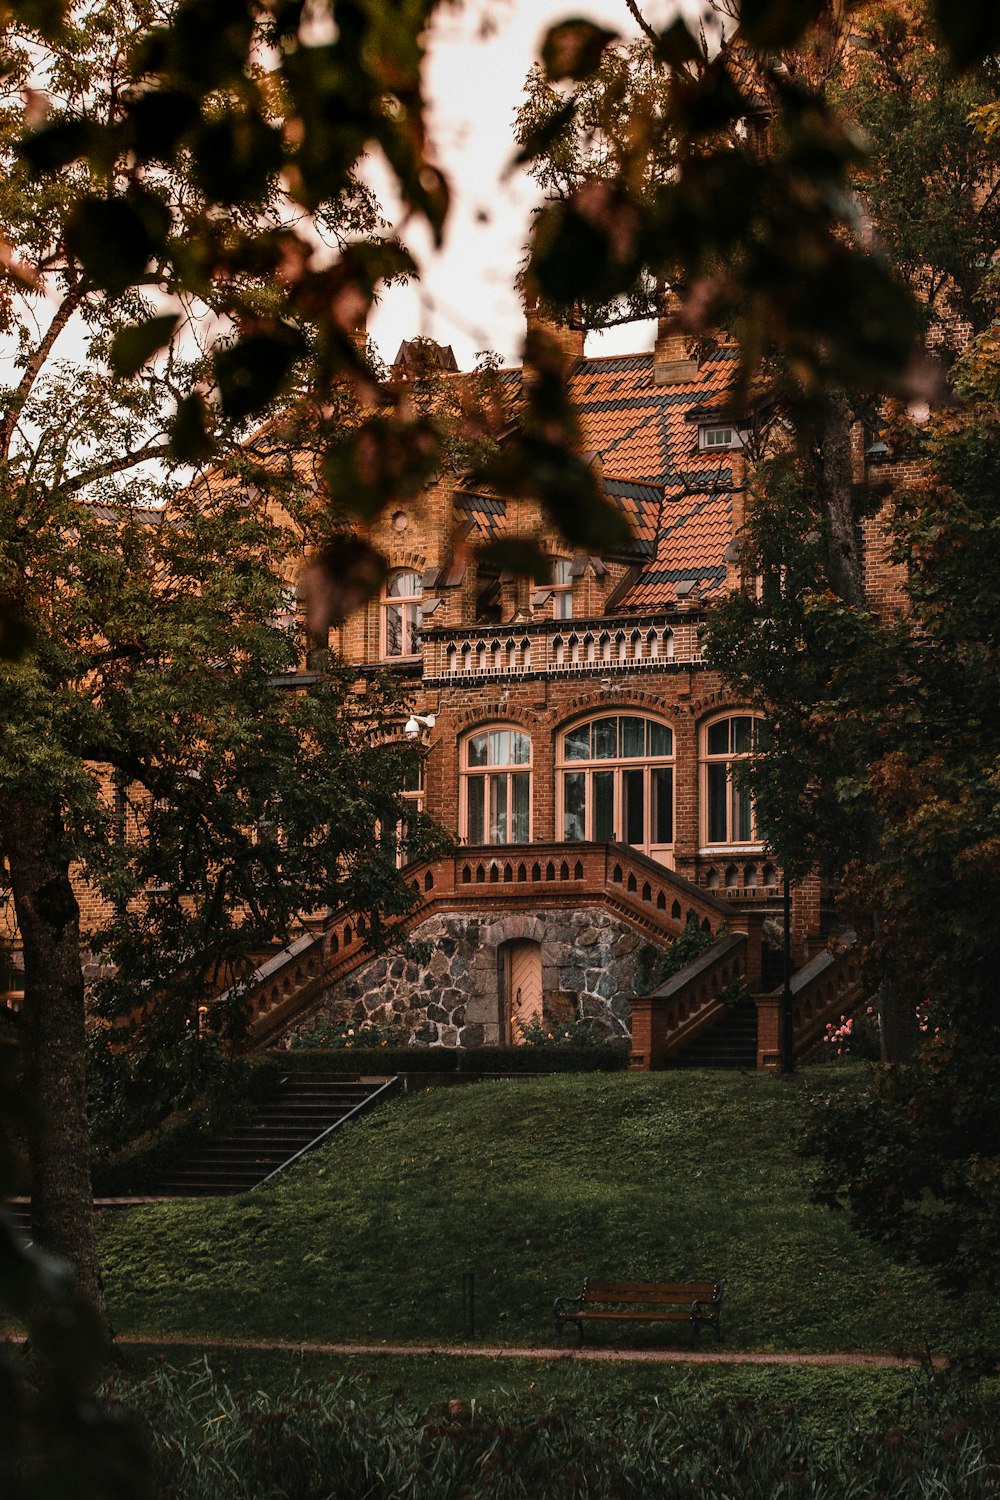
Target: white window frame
column 497, row 778
column 408, row 607
column 618, row 767
column 737, row 804
column 719, row 437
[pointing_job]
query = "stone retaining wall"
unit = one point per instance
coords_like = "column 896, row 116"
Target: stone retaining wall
column 592, row 964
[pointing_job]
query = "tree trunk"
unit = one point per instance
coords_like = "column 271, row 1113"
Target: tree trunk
column 899, row 1034
column 898, row 1031
column 54, row 1037
column 837, row 495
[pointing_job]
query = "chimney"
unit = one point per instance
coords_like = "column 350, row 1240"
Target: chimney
column 672, row 364
column 569, row 340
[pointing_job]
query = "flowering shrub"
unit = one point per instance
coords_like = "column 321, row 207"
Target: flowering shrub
column 854, row 1036
column 346, row 1035
column 540, row 1033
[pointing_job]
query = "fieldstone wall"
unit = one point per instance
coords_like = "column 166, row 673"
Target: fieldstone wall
column 452, row 994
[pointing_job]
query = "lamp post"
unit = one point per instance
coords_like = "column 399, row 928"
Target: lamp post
column 787, row 1029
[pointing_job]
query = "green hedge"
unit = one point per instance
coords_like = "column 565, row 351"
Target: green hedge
column 604, row 1058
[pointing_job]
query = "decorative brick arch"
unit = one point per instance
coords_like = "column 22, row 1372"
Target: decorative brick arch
column 716, row 702
column 481, row 716
column 406, row 558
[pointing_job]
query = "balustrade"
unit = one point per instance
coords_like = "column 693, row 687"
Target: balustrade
column 740, row 879
column 553, row 646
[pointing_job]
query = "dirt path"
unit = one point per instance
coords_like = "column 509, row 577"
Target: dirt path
column 494, row 1351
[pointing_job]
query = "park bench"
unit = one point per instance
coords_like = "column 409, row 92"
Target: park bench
column 694, row 1302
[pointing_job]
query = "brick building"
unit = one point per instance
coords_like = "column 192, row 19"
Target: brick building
column 577, row 746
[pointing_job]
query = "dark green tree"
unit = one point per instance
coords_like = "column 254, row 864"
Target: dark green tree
column 148, row 616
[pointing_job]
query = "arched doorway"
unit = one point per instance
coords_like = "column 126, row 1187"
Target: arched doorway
column 520, row 986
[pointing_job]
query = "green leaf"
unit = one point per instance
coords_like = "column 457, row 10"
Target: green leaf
column 236, row 157
column 710, row 102
column 45, row 16
column 160, row 118
column 385, row 460
column 114, row 239
column 777, row 23
column 54, row 146
column 508, row 555
column 573, row 49
column 343, row 575
column 676, row 45
column 251, row 373
column 190, row 437
column 971, row 29
column 543, row 135
column 133, row 346
column 589, row 248
column 16, row 634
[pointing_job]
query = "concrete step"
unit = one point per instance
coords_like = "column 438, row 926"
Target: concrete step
column 300, row 1110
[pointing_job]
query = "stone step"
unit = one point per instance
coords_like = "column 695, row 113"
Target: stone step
column 299, row 1111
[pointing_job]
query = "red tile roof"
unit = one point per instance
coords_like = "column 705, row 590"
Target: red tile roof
column 678, row 499
column 645, row 436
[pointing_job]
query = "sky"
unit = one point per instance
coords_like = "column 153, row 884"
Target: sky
column 465, row 297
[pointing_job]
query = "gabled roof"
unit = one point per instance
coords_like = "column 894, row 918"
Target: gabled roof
column 644, row 437
column 677, row 498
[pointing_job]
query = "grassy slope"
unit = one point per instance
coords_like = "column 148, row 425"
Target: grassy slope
column 531, row 1184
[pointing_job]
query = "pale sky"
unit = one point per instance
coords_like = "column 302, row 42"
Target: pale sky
column 465, row 297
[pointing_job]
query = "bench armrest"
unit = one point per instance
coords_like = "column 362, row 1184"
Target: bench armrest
column 564, row 1309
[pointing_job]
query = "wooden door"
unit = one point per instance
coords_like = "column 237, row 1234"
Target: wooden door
column 524, row 985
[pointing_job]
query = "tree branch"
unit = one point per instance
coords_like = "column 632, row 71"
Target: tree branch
column 641, row 21
column 113, row 466
column 70, row 302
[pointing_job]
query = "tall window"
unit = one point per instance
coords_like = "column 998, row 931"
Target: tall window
column 729, row 815
column 401, row 614
column 617, row 783
column 562, row 589
column 412, row 797
column 496, row 776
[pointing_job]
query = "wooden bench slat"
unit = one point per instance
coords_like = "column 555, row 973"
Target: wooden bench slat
column 610, row 1291
column 630, row 1317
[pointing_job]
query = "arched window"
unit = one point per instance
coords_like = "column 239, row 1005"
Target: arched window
column 400, row 624
column 616, row 779
column 496, row 787
column 728, row 809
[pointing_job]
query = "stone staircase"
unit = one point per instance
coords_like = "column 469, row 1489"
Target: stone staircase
column 302, row 1110
column 730, row 1043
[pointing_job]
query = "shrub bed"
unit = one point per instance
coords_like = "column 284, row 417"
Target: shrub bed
column 606, row 1057
column 328, row 1442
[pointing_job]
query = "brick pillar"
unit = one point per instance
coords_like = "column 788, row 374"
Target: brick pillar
column 751, row 924
column 569, row 340
column 805, row 918
column 641, row 1060
column 769, row 1033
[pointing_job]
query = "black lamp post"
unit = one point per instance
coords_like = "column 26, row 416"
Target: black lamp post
column 787, row 1028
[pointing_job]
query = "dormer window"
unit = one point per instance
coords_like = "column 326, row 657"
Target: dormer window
column 713, row 437
column 562, row 589
column 401, row 611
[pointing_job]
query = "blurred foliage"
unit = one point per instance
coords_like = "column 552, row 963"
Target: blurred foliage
column 204, row 155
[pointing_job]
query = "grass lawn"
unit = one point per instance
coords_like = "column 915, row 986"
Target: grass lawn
column 521, row 1387
column 531, row 1184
